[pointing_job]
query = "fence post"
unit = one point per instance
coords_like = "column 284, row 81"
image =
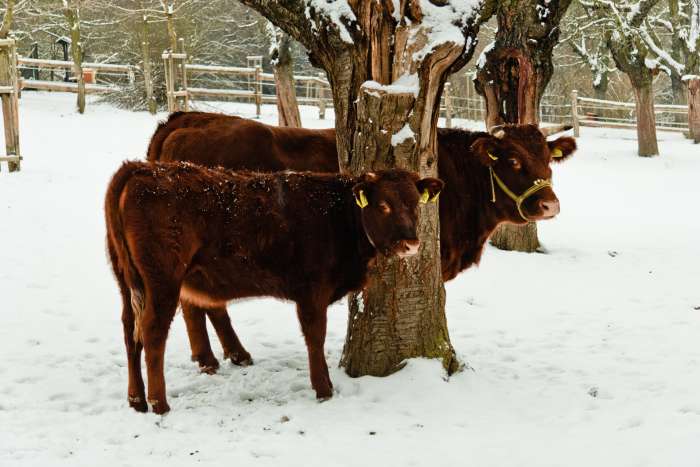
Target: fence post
column 183, row 65
column 168, row 79
column 574, row 113
column 448, row 105
column 10, row 106
column 694, row 108
column 147, row 72
column 258, row 90
column 321, row 94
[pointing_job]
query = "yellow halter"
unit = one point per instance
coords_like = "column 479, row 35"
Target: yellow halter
column 537, row 185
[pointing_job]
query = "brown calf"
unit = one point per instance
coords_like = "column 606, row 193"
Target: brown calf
column 180, row 232
column 472, row 204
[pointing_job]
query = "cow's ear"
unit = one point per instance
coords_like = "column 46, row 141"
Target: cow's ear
column 429, row 189
column 561, row 148
column 362, row 192
column 485, row 150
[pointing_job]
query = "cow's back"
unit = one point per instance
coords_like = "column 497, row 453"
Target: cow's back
column 217, row 140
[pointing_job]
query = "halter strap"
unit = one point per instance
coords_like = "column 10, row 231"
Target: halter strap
column 537, row 185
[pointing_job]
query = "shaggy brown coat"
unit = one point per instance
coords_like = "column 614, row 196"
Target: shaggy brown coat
column 180, row 232
column 468, row 215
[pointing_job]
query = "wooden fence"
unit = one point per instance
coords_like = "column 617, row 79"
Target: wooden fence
column 9, row 94
column 94, row 70
column 248, row 84
column 586, row 111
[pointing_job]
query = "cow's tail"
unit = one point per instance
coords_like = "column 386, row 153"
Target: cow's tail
column 155, row 147
column 130, row 280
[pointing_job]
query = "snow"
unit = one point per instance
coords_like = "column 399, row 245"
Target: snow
column 405, row 84
column 587, row 355
column 481, row 61
column 402, row 135
column 443, row 23
column 334, row 11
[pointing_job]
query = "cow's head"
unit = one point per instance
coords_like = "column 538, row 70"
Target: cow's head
column 389, row 202
column 518, row 158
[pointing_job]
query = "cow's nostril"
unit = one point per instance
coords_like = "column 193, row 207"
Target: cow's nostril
column 550, row 207
column 410, row 248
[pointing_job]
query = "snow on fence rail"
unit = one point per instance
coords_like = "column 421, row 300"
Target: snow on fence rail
column 91, row 71
column 244, row 83
column 586, row 111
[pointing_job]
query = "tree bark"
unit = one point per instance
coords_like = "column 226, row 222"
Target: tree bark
column 7, row 19
column 151, row 103
column 694, row 108
column 516, row 237
column 600, row 89
column 401, row 313
column 72, row 13
column 287, row 106
column 646, row 121
column 512, row 81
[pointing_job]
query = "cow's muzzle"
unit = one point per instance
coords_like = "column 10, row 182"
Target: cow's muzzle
column 406, row 248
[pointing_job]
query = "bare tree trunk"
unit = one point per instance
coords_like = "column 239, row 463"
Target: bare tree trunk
column 151, row 103
column 678, row 90
column 169, row 12
column 72, row 13
column 7, row 19
column 600, row 88
column 287, row 106
column 512, row 81
column 401, row 313
column 516, row 237
column 646, row 121
column 694, row 108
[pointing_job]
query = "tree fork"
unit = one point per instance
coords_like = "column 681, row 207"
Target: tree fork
column 401, row 313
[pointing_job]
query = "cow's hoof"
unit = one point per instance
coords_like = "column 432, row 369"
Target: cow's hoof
column 159, row 407
column 324, row 394
column 240, row 359
column 207, row 363
column 138, row 404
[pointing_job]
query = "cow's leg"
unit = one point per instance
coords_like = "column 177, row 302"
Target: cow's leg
column 312, row 317
column 136, row 391
column 161, row 303
column 233, row 349
column 195, row 320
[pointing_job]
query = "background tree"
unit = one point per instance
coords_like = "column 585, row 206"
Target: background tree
column 281, row 60
column 71, row 9
column 673, row 38
column 387, row 63
column 512, row 76
column 585, row 36
column 624, row 22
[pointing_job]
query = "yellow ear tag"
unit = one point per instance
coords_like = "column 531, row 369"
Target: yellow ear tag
column 361, row 200
column 435, row 198
column 556, row 152
column 493, row 158
column 425, row 196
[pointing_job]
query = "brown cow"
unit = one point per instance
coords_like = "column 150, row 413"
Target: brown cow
column 181, row 232
column 485, row 175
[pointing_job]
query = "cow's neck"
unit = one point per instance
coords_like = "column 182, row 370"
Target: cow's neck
column 472, row 215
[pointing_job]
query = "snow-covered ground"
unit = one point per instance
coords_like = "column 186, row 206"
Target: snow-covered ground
column 588, row 355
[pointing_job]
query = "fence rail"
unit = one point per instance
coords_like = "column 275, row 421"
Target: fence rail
column 586, row 111
column 189, row 81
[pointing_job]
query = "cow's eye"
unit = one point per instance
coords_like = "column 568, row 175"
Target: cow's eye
column 515, row 163
column 384, row 207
